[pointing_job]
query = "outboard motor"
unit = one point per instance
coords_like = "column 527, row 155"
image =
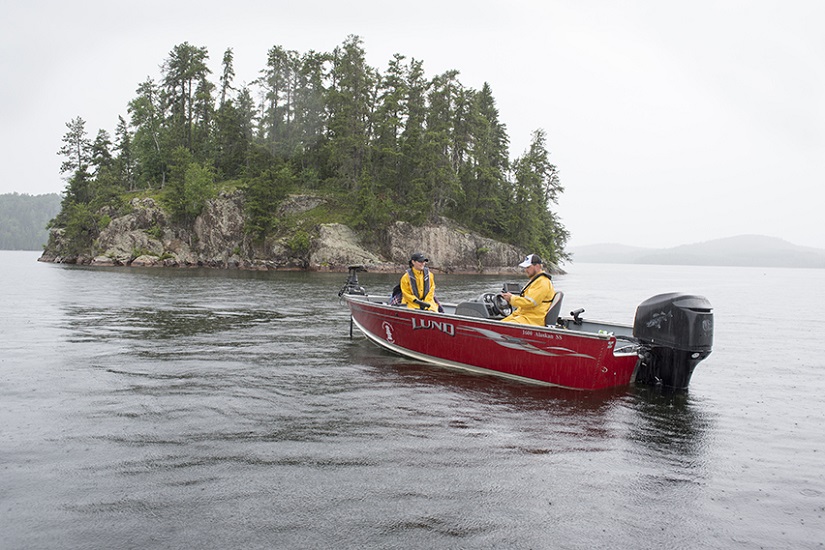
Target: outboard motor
column 677, row 332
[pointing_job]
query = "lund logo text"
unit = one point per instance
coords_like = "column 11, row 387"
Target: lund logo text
column 446, row 328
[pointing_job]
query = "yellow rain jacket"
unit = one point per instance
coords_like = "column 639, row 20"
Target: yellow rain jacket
column 533, row 303
column 422, row 287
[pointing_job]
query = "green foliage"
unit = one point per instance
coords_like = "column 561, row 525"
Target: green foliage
column 156, row 232
column 350, row 102
column 190, row 185
column 263, row 195
column 81, row 227
column 124, row 163
column 149, row 141
column 391, row 144
column 199, row 188
column 371, row 209
column 536, row 186
column 187, row 99
column 299, row 243
column 174, row 196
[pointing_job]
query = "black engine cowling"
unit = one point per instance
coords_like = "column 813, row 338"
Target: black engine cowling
column 677, row 332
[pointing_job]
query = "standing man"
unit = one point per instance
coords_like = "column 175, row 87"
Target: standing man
column 533, row 302
column 418, row 285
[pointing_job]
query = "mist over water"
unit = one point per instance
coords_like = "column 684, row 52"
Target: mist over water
column 218, row 409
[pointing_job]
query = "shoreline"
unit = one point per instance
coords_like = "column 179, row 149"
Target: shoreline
column 241, row 265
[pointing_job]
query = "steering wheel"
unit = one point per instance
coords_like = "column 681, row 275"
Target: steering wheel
column 500, row 306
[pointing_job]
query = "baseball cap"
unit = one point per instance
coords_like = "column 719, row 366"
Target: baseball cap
column 531, row 259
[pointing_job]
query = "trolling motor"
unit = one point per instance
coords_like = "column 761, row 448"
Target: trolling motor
column 352, row 286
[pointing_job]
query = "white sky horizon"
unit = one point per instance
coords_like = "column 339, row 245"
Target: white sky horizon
column 669, row 123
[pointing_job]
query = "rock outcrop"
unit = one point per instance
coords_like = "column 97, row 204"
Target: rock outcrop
column 338, row 246
column 135, row 234
column 451, row 247
column 145, row 236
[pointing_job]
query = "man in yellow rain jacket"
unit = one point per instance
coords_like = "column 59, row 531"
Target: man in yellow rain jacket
column 533, row 302
column 418, row 285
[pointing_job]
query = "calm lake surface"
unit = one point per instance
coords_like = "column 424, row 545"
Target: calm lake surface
column 223, row 409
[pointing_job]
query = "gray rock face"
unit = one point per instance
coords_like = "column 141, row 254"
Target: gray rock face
column 145, row 260
column 452, row 248
column 219, row 231
column 146, row 236
column 129, row 236
column 338, row 246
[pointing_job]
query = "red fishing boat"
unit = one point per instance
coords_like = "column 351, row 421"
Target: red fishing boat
column 670, row 335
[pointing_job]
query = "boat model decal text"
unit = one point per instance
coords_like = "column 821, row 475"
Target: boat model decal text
column 446, row 328
column 542, row 335
column 521, row 344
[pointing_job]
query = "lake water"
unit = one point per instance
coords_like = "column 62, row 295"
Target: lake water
column 225, row 409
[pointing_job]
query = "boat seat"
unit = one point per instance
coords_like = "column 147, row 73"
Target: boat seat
column 552, row 317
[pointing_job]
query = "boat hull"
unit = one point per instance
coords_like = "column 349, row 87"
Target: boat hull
column 539, row 355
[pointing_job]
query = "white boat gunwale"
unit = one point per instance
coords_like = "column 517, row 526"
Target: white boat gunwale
column 619, row 331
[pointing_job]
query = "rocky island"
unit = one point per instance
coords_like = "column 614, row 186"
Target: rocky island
column 144, row 235
column 338, row 164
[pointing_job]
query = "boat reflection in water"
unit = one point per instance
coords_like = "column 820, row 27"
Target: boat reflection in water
column 644, row 425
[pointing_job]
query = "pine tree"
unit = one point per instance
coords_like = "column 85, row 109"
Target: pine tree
column 77, row 150
column 124, row 162
column 232, row 126
column 484, row 179
column 536, row 186
column 263, row 194
column 443, row 153
column 388, row 120
column 410, row 189
column 101, row 152
column 227, row 76
column 187, row 96
column 278, row 82
column 150, row 139
column 350, row 103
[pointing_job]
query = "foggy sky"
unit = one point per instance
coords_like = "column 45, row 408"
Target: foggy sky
column 670, row 122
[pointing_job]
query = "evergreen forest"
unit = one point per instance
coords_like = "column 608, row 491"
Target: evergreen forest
column 379, row 145
column 23, row 220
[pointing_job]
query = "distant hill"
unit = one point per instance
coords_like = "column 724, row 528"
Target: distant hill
column 23, row 220
column 742, row 250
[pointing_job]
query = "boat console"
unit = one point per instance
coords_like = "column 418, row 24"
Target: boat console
column 490, row 305
column 485, row 306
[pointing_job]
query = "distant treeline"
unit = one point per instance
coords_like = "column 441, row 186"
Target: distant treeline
column 380, row 145
column 23, row 220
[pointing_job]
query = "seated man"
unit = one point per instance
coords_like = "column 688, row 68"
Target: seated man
column 533, row 302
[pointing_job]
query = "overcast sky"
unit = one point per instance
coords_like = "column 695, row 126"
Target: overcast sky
column 670, row 122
